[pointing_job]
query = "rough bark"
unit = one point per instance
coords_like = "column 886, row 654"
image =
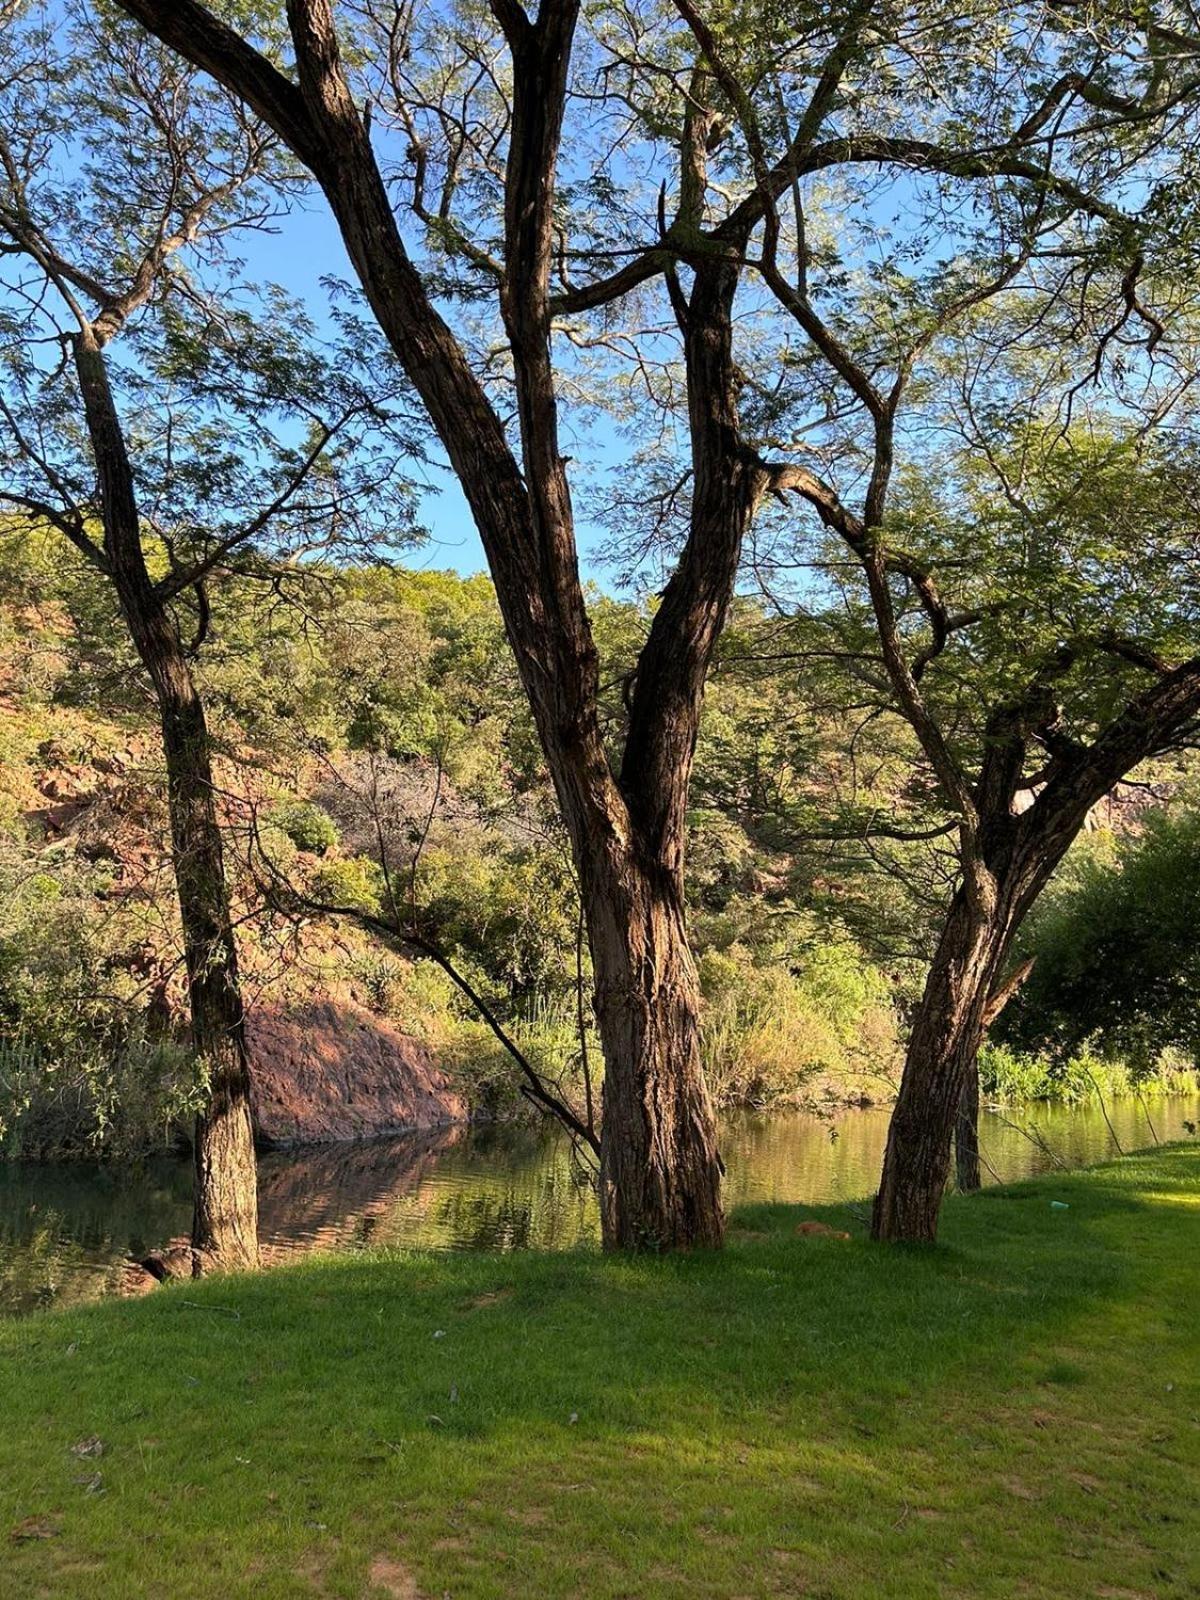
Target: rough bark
column 660, row 1166
column 967, row 1175
column 946, row 1034
column 225, row 1210
column 225, row 1203
column 660, row 1171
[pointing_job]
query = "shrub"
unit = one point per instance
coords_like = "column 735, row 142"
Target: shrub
column 771, row 1033
column 81, row 1066
column 1116, row 967
column 126, row 1102
column 1007, row 1075
column 356, row 882
column 545, row 1030
column 308, row 827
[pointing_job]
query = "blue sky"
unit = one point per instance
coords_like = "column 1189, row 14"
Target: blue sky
column 305, row 248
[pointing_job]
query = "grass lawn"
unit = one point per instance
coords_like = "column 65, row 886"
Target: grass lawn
column 1014, row 1414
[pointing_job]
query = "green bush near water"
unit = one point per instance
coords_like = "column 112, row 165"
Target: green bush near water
column 771, row 1034
column 1009, row 1075
column 1116, row 960
column 138, row 1097
column 84, row 1066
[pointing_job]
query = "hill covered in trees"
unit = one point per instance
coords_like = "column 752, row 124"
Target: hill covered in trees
column 366, row 716
column 372, row 744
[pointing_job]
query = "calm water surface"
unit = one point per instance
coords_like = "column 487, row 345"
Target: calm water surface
column 67, row 1230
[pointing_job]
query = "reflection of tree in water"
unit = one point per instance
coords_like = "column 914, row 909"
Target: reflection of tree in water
column 47, row 1266
column 486, row 1221
column 493, row 1187
column 67, row 1232
column 803, row 1159
column 331, row 1196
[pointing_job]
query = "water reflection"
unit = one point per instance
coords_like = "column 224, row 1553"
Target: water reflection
column 481, row 1188
column 67, row 1231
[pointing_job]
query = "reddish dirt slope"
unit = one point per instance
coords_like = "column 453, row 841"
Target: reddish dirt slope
column 327, row 1070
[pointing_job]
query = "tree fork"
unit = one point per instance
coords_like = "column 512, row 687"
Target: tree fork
column 626, row 836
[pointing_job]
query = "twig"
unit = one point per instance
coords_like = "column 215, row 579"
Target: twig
column 1036, row 1139
column 1146, row 1111
column 224, row 1311
column 584, row 1062
column 1104, row 1110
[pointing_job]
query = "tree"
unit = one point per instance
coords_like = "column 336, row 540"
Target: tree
column 1019, row 124
column 1114, row 954
column 1070, row 659
column 118, row 165
column 1040, row 294
column 660, row 1178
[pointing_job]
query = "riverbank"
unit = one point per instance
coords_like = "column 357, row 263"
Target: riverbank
column 68, row 1230
column 1014, row 1413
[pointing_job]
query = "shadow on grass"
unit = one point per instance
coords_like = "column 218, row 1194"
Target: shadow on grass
column 609, row 1426
column 535, row 1331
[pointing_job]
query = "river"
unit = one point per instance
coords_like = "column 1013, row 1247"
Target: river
column 67, row 1229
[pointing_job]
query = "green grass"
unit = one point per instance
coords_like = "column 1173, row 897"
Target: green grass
column 1016, row 1413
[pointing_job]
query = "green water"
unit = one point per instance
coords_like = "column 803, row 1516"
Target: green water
column 66, row 1230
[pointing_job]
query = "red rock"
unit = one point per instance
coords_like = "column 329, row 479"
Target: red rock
column 325, row 1071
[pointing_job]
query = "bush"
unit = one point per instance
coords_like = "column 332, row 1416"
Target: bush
column 139, row 1098
column 357, row 882
column 82, row 1068
column 770, row 1033
column 505, row 910
column 308, row 827
column 1116, row 963
column 546, row 1031
column 1007, row 1075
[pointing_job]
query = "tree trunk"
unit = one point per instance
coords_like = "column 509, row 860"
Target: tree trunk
column 225, row 1206
column 946, row 1034
column 966, row 1133
column 660, row 1170
column 225, row 1195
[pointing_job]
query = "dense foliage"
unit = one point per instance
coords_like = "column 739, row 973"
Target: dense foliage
column 381, row 706
column 387, row 700
column 1115, row 955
